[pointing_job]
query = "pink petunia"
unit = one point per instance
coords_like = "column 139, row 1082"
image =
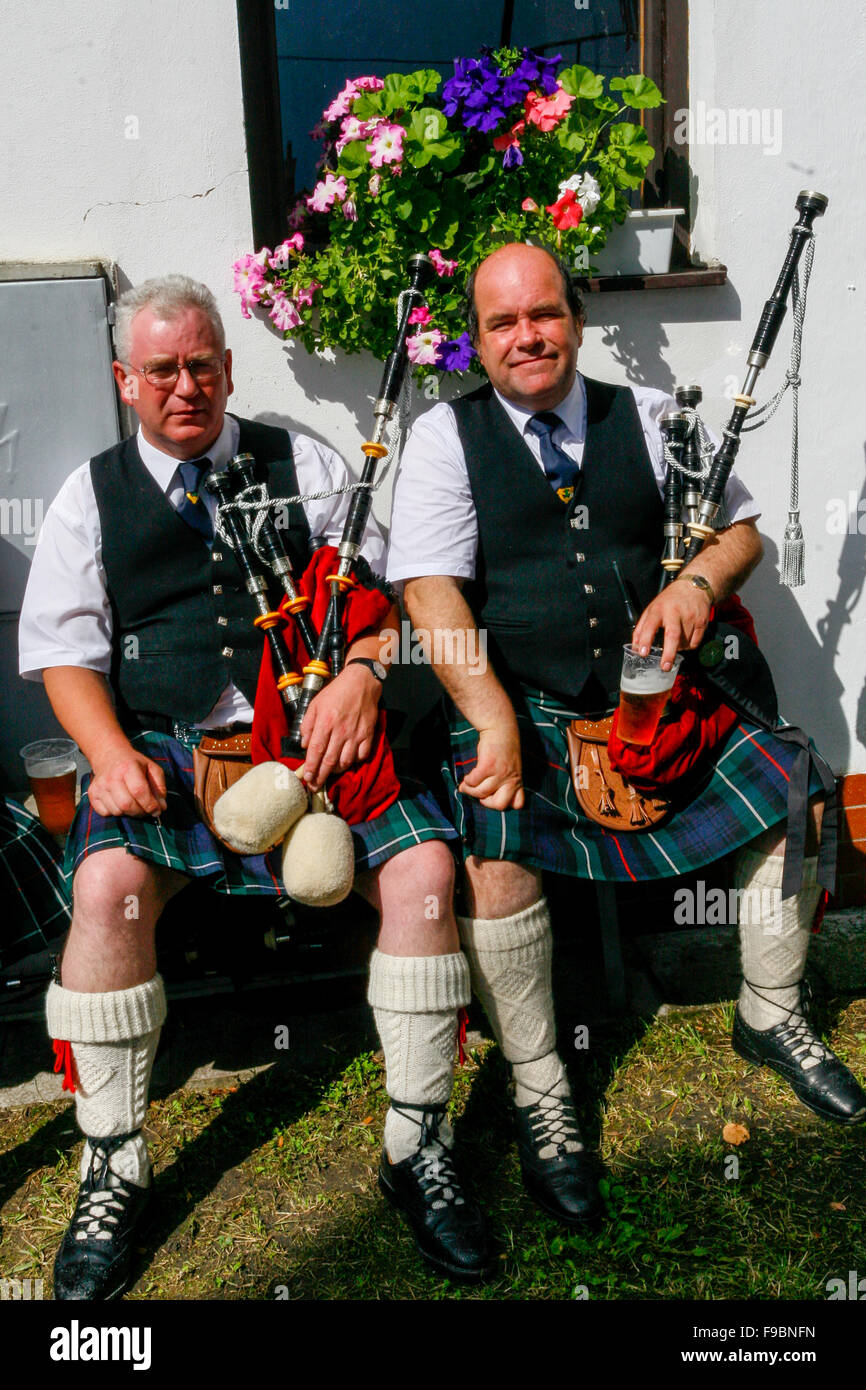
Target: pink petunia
column 422, row 348
column 305, row 295
column 284, row 313
column 353, row 129
column 386, row 147
column 443, row 267
column 369, row 84
column 529, row 205
column 421, row 315
column 350, row 210
column 280, row 259
column 341, row 103
column 547, row 112
column 374, row 185
column 249, row 281
column 326, row 193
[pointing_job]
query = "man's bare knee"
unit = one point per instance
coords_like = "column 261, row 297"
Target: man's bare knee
column 113, row 887
column 499, row 888
column 773, row 841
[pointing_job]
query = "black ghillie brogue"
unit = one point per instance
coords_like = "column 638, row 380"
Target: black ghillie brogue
column 95, row 1256
column 448, row 1226
column 561, row 1180
column 814, row 1073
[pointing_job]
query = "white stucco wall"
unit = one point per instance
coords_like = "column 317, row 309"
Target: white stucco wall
column 176, row 198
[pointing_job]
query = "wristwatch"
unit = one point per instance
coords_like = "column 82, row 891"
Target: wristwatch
column 698, row 581
column 379, row 671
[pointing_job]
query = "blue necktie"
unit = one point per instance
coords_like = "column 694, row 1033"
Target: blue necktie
column 192, row 508
column 559, row 469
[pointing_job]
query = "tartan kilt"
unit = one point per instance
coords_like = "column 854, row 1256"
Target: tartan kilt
column 746, row 793
column 180, row 840
column 34, row 902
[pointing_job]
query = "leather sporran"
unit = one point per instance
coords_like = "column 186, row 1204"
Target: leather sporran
column 603, row 794
column 217, row 764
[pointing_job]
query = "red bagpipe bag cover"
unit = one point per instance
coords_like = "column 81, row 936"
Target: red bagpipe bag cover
column 696, row 721
column 363, row 791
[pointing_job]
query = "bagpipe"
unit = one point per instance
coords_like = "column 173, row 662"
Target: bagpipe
column 322, row 612
column 728, row 678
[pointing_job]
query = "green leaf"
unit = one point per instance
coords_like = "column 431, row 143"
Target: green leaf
column 393, row 95
column 367, row 105
column 353, row 158
column 637, row 91
column 579, row 81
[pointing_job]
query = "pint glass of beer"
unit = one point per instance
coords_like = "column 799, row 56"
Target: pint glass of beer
column 643, row 693
column 50, row 766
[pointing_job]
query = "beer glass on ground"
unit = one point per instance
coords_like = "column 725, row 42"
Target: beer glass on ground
column 643, row 693
column 51, row 768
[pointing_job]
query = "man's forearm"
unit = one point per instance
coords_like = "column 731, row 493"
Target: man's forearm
column 82, row 702
column 435, row 604
column 728, row 558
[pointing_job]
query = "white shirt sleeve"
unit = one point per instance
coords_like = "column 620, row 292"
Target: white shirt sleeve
column 740, row 505
column 320, row 469
column 66, row 614
column 433, row 525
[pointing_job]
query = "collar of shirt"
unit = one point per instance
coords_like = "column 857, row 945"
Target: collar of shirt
column 164, row 467
column 572, row 411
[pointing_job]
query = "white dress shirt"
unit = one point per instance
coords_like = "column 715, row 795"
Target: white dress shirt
column 66, row 613
column 433, row 524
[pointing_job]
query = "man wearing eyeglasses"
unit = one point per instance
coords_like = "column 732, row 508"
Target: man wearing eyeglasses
column 137, row 619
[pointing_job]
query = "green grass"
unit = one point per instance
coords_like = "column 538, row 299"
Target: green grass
column 271, row 1186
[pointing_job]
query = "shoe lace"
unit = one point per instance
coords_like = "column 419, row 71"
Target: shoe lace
column 432, row 1163
column 795, row 1032
column 103, row 1193
column 554, row 1126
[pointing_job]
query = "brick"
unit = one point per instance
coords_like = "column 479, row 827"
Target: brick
column 852, row 823
column 852, row 789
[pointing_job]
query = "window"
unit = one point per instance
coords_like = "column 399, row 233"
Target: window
column 297, row 54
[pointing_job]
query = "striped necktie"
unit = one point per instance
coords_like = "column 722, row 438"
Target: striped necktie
column 192, row 508
column 559, row 469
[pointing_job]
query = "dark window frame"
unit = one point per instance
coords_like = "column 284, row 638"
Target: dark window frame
column 663, row 57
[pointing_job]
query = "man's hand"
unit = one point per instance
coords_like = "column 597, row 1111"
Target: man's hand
column 338, row 727
column 497, row 778
column 683, row 611
column 126, row 783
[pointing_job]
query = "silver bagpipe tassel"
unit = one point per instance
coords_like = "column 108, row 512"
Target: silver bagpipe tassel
column 793, row 570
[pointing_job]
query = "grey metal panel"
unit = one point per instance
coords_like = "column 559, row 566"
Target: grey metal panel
column 57, row 408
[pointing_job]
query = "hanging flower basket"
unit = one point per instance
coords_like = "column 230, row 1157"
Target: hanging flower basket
column 512, row 148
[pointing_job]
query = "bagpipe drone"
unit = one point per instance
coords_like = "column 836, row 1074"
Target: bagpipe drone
column 322, row 612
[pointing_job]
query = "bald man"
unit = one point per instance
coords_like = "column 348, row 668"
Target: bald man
column 510, row 505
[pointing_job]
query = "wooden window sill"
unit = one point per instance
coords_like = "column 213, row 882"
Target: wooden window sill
column 686, row 279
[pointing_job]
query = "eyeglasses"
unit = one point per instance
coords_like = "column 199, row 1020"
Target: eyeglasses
column 165, row 374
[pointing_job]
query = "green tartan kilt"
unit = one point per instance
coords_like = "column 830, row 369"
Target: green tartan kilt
column 745, row 793
column 34, row 902
column 179, row 840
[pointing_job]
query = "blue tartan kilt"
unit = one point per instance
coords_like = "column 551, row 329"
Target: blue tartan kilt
column 179, row 839
column 746, row 793
column 34, row 902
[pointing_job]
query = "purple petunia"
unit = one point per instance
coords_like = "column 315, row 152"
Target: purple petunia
column 483, row 95
column 513, row 157
column 456, row 354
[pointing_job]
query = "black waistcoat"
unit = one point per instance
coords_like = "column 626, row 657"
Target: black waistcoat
column 544, row 589
column 182, row 618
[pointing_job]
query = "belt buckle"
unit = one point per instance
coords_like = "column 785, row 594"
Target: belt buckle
column 184, row 733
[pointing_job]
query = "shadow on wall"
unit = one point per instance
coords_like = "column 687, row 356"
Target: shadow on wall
column 809, row 687
column 633, row 327
column 852, row 578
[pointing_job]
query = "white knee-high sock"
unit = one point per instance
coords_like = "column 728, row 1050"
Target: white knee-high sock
column 774, row 937
column 415, row 1001
column 113, row 1037
column 510, row 961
